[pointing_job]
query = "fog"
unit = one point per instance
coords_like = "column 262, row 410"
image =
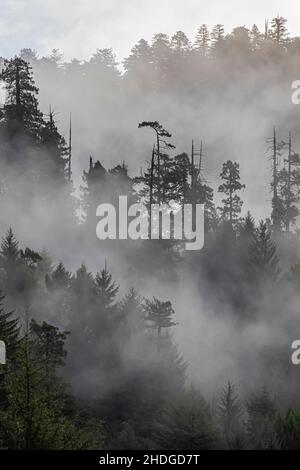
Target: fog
column 230, row 101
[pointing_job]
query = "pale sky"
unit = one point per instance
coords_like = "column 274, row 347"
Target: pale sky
column 79, row 27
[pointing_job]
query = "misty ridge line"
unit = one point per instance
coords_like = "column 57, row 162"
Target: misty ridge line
column 150, row 68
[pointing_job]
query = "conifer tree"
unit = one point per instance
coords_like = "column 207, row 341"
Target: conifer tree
column 139, row 62
column 159, row 316
column 279, row 31
column 10, row 264
column 59, row 295
column 232, row 204
column 277, row 215
column 230, row 413
column 217, row 37
column 161, row 167
column 132, row 311
column 33, row 417
column 202, row 41
column 261, row 421
column 288, row 187
column 49, row 343
column 20, row 113
column 106, row 289
column 180, row 42
column 83, row 282
column 60, row 277
column 187, row 424
column 83, row 297
column 288, row 430
column 263, row 260
column 56, row 153
column 9, row 329
column 247, row 228
column 10, row 253
column 256, row 38
column 161, row 54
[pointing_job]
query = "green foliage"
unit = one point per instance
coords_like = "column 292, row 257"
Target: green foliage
column 33, row 416
column 187, row 424
column 288, row 430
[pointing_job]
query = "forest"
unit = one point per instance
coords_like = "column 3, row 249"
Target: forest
column 141, row 344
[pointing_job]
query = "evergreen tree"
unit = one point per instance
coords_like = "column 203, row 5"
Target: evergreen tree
column 187, row 424
column 239, row 41
column 33, row 417
column 104, row 66
column 106, row 289
column 20, row 112
column 256, row 38
column 120, row 184
column 202, row 41
column 288, row 430
column 138, row 63
column 263, row 260
column 217, row 37
column 83, row 282
column 161, row 54
column 232, row 204
column 9, row 329
column 49, row 343
column 56, row 153
column 288, row 187
column 132, row 311
column 180, row 42
column 11, row 266
column 10, row 253
column 261, row 421
column 230, row 413
column 59, row 296
column 278, row 30
column 96, row 186
column 60, row 277
column 247, row 228
column 157, row 179
column 277, row 204
column 158, row 316
column 83, row 299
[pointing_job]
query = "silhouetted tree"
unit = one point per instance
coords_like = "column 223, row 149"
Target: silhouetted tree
column 232, row 204
column 261, row 419
column 202, row 41
column 263, row 260
column 20, row 111
column 230, row 413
